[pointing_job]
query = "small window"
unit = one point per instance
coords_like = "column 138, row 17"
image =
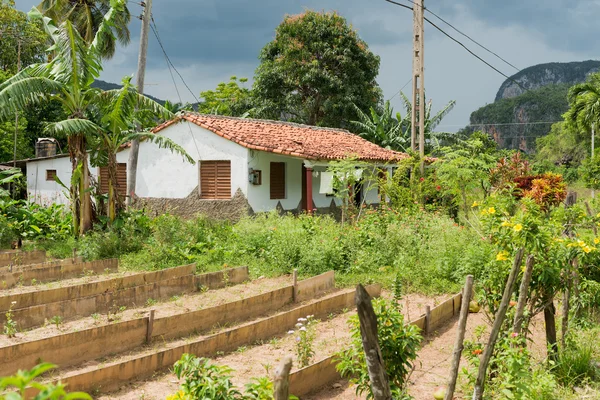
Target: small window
column 50, row 174
column 277, row 180
column 215, row 179
column 121, row 179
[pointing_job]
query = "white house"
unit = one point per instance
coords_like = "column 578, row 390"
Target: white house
column 243, row 166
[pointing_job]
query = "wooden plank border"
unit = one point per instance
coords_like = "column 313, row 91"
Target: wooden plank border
column 113, row 376
column 53, row 271
column 18, row 257
column 322, row 373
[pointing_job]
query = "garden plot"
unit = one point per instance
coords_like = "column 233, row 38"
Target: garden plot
column 112, row 373
column 54, row 271
column 33, row 308
column 260, row 358
column 18, row 257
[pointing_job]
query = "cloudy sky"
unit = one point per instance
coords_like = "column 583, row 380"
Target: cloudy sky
column 210, row 40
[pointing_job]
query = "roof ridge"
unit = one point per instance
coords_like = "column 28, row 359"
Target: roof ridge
column 270, row 121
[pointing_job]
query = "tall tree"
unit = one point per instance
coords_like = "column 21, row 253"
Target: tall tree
column 584, row 105
column 87, row 16
column 229, row 98
column 67, row 78
column 314, row 70
column 22, row 41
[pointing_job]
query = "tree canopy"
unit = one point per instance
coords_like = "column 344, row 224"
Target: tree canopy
column 228, row 98
column 314, row 70
column 22, row 40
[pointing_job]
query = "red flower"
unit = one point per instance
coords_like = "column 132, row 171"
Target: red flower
column 438, row 188
column 422, row 179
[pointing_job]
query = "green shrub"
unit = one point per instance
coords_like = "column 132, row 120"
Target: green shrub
column 576, row 362
column 398, row 341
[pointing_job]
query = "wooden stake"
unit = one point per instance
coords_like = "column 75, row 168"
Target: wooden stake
column 295, row 283
column 590, row 213
column 550, row 323
column 427, row 320
column 150, row 327
column 460, row 337
column 498, row 320
column 281, row 383
column 380, row 385
column 74, row 253
column 523, row 290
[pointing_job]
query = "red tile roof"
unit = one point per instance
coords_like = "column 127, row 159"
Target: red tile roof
column 310, row 142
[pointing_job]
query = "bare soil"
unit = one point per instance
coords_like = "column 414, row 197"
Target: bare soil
column 175, row 305
column 261, row 358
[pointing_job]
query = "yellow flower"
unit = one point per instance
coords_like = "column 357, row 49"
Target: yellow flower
column 580, row 243
column 475, row 204
column 518, row 228
column 502, row 256
column 506, row 223
column 485, row 212
column 572, row 245
column 587, row 249
column 559, row 240
column 596, row 240
column 492, row 210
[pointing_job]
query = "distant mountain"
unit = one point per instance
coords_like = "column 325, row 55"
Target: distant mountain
column 518, row 117
column 111, row 86
column 546, row 74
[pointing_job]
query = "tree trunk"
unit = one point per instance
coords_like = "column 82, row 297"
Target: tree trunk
column 113, row 195
column 281, row 383
column 550, row 322
column 77, row 144
column 74, row 186
column 523, row 290
column 498, row 320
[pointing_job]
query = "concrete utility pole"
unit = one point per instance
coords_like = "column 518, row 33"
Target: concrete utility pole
column 141, row 72
column 418, row 98
column 593, row 191
column 17, row 113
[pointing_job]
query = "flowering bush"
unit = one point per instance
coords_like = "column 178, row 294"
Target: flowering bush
column 305, row 334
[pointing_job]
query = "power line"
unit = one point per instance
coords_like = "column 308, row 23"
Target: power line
column 467, row 36
column 401, row 89
column 169, row 64
column 462, row 45
column 507, row 123
column 155, row 28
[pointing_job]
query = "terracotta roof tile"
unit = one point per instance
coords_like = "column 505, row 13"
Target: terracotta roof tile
column 315, row 143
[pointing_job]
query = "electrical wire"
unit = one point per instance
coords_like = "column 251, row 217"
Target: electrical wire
column 169, row 60
column 401, row 89
column 462, row 45
column 169, row 65
column 465, row 35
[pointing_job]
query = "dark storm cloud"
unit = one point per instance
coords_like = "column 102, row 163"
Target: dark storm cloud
column 565, row 25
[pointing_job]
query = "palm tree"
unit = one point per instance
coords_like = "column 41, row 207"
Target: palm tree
column 382, row 129
column 67, row 78
column 117, row 114
column 433, row 138
column 87, row 16
column 584, row 100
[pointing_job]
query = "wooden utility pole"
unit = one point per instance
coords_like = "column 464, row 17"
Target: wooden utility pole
column 418, row 98
column 17, row 113
column 141, row 72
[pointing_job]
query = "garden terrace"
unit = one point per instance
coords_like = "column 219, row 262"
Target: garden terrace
column 33, row 308
column 18, row 257
column 175, row 333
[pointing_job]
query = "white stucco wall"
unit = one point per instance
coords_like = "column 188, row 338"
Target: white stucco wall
column 162, row 173
column 45, row 192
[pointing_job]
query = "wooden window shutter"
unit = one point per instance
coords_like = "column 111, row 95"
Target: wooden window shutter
column 277, row 180
column 50, row 174
column 215, row 179
column 121, row 179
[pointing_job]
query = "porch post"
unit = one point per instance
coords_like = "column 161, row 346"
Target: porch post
column 309, row 198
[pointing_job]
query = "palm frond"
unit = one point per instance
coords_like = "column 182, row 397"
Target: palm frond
column 161, row 141
column 437, row 118
column 73, row 126
column 20, row 93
